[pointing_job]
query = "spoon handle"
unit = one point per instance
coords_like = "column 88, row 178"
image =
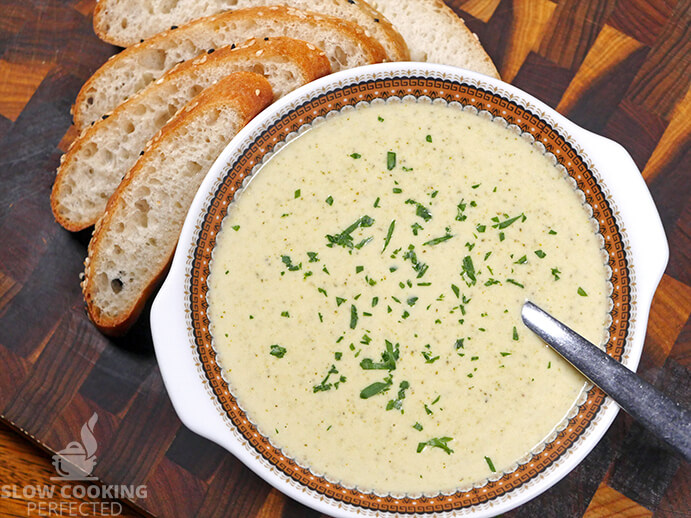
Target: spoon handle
column 659, row 414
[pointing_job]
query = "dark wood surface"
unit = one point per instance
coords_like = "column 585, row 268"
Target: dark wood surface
column 619, row 68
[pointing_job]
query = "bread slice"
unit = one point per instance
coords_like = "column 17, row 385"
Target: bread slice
column 134, row 241
column 92, row 168
column 345, row 44
column 126, row 22
column 434, row 33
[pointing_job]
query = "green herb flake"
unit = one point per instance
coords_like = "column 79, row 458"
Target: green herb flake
column 235, row 227
column 487, row 255
column 339, row 301
column 289, row 263
column 490, row 464
column 380, row 118
column 481, row 228
column 436, row 442
column 552, row 232
column 556, row 272
column 375, row 388
column 338, row 355
column 345, row 238
column 505, row 354
column 522, row 260
column 420, row 210
column 389, row 233
column 277, row 351
column 501, row 236
column 297, row 193
column 376, row 203
column 418, row 426
column 437, row 240
column 455, row 290
column 355, row 155
column 353, row 316
column 515, row 333
column 468, row 271
column 540, row 254
column 397, row 403
column 475, row 186
column 516, row 283
column 390, row 160
column 508, row 222
column 285, row 314
column 330, row 200
column 582, row 292
column 428, row 138
column 397, row 190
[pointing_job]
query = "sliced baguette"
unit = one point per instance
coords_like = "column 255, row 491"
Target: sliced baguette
column 92, row 168
column 434, row 33
column 126, row 22
column 345, row 44
column 134, row 241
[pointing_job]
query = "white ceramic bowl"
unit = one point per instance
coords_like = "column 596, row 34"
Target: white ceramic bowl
column 611, row 185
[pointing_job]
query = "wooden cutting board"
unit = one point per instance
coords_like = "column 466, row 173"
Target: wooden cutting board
column 617, row 68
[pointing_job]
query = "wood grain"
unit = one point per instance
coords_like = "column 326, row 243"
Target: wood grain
column 620, row 68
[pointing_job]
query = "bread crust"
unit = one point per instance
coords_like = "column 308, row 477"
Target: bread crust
column 309, row 60
column 393, row 42
column 246, row 93
column 175, row 39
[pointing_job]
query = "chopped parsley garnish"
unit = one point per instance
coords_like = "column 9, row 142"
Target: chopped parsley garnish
column 285, row 314
column 491, row 281
column 398, row 402
column 468, row 271
column 359, row 269
column 390, row 160
column 418, row 267
column 438, row 240
column 289, row 263
column 325, row 384
column 515, row 333
column 540, row 254
column 330, row 200
column 516, row 283
column 345, row 238
column 476, row 186
column 501, row 236
column 552, row 232
column 376, row 388
column 428, row 138
column 505, row 354
column 313, row 257
column 277, row 351
column 416, row 227
column 397, row 190
column 455, row 290
column 437, row 442
column 353, row 316
column 420, row 210
column 556, row 272
column 481, row 228
column 339, row 301
column 297, row 193
column 522, row 260
column 412, row 300
column 507, row 222
column 459, row 344
column 235, row 227
column 582, row 292
column 490, row 464
column 355, row 155
column 460, row 208
column 389, row 233
column 487, row 255
column 427, row 355
column 388, row 359
column 338, row 355
column 376, row 203
column 417, row 426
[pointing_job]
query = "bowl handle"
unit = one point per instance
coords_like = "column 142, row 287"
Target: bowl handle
column 644, row 236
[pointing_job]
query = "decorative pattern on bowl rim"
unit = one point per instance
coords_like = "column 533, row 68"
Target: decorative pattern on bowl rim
column 484, row 98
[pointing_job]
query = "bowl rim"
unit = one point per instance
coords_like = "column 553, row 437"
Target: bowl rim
column 634, row 208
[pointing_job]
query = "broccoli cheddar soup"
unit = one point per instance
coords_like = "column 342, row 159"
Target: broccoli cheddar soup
column 366, row 289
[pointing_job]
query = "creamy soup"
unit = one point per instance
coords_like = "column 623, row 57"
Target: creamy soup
column 366, row 290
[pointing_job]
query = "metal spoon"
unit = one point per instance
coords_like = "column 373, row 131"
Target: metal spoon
column 659, row 414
